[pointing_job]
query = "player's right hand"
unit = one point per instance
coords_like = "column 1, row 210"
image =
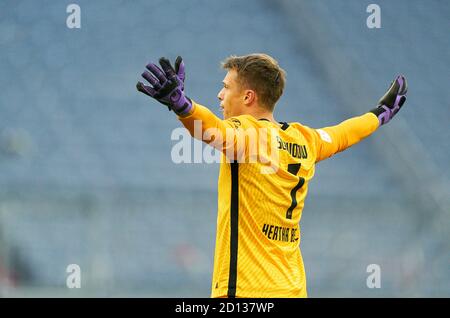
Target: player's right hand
column 167, row 85
column 392, row 101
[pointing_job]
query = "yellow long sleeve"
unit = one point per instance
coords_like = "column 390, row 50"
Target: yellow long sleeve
column 225, row 135
column 334, row 139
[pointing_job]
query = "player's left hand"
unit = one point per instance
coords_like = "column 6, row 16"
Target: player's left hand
column 392, row 101
column 167, row 85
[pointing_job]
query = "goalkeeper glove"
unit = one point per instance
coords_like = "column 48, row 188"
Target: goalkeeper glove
column 167, row 85
column 392, row 101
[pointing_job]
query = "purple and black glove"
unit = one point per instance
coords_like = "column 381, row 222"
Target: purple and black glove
column 392, row 101
column 167, row 85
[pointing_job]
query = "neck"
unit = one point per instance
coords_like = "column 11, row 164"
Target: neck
column 263, row 114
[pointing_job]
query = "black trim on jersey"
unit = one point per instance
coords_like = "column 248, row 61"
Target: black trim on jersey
column 285, row 125
column 234, row 225
column 294, row 198
column 294, row 168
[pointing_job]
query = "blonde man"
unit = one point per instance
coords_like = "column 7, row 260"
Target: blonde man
column 258, row 235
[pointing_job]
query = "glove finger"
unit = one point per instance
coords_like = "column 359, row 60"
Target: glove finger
column 147, row 90
column 157, row 72
column 179, row 68
column 400, row 103
column 167, row 68
column 151, row 79
column 403, row 85
column 395, row 86
column 178, row 61
column 399, row 81
column 389, row 97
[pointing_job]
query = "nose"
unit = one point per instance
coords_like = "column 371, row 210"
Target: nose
column 220, row 95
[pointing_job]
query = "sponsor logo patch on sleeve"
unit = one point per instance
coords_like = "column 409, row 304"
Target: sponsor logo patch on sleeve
column 324, row 135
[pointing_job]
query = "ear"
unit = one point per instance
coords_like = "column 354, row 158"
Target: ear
column 249, row 97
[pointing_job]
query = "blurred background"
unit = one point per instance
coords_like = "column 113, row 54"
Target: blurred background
column 86, row 175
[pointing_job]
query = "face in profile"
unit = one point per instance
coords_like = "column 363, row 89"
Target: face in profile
column 231, row 96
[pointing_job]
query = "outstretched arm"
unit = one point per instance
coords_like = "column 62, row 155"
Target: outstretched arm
column 167, row 87
column 334, row 139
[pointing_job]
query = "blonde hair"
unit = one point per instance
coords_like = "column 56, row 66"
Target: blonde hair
column 261, row 73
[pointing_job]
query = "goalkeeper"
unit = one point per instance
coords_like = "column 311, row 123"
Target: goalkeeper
column 258, row 234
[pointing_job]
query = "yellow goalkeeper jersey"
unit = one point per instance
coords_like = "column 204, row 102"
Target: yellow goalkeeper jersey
column 258, row 232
